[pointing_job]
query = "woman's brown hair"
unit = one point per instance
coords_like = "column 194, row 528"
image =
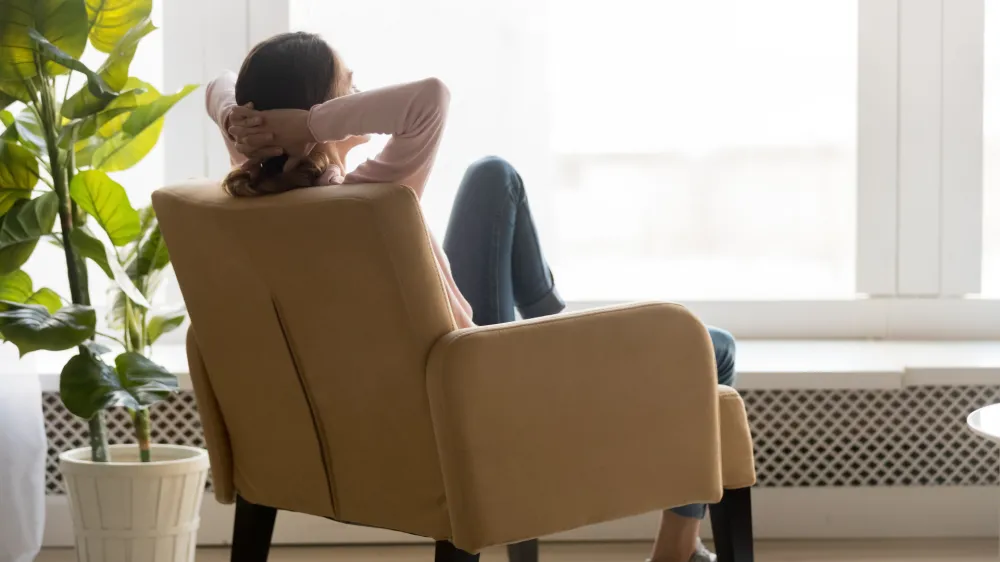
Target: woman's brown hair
column 288, row 71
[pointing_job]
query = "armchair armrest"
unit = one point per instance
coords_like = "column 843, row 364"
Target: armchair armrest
column 556, row 423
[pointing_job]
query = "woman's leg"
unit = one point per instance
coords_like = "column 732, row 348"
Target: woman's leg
column 677, row 539
column 493, row 247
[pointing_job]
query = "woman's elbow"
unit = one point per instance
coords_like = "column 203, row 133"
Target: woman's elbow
column 436, row 92
column 211, row 93
column 208, row 97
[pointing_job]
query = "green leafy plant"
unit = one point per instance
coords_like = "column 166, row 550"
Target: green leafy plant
column 55, row 155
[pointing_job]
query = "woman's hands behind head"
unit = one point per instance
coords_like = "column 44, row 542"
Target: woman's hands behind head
column 261, row 134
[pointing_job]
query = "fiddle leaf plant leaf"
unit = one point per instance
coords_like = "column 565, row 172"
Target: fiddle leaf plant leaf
column 29, row 132
column 64, row 23
column 80, row 129
column 15, row 287
column 161, row 324
column 46, row 297
column 121, row 277
column 17, row 55
column 18, row 173
column 88, row 246
column 137, row 133
column 13, row 90
column 152, row 256
column 105, row 199
column 5, row 100
column 18, row 167
column 114, row 72
column 143, row 379
column 11, row 195
column 88, row 385
column 111, row 20
column 53, row 53
column 97, row 130
column 32, row 327
column 22, row 226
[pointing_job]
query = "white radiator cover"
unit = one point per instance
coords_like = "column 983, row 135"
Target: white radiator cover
column 831, row 463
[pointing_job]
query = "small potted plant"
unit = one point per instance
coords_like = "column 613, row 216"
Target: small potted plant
column 55, row 152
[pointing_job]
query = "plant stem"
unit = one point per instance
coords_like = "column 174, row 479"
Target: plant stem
column 71, row 161
column 78, row 219
column 141, row 422
column 61, row 188
column 98, row 438
column 133, row 332
column 32, row 99
column 77, row 287
column 134, row 342
column 112, row 338
column 69, row 78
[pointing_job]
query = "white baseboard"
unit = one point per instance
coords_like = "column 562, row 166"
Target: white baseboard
column 779, row 513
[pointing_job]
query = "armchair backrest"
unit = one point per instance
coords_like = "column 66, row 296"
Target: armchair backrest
column 313, row 313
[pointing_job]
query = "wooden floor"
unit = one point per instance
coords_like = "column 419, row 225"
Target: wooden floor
column 767, row 551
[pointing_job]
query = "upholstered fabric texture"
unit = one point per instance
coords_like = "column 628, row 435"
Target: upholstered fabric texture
column 331, row 380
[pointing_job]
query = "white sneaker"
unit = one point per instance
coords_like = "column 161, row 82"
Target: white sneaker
column 702, row 554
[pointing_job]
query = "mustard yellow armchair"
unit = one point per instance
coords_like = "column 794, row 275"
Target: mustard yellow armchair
column 331, row 380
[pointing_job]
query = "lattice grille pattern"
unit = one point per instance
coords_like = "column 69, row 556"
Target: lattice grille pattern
column 911, row 437
column 174, row 421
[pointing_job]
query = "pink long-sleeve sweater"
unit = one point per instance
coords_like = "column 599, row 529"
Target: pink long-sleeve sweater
column 414, row 114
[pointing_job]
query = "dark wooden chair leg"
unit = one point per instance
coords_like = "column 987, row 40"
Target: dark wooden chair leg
column 732, row 526
column 252, row 531
column 525, row 551
column 444, row 551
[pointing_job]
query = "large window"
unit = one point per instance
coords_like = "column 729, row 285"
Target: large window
column 669, row 152
column 786, row 168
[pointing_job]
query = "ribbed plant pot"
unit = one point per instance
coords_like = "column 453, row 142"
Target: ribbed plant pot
column 130, row 511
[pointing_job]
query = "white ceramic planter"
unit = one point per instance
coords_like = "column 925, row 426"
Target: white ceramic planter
column 129, row 511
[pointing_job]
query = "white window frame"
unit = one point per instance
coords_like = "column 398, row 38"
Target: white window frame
column 919, row 179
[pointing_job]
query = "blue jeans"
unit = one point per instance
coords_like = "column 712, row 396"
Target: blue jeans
column 493, row 247
column 498, row 265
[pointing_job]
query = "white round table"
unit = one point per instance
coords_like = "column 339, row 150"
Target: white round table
column 986, row 422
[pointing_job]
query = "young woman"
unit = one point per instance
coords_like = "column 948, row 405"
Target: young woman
column 289, row 120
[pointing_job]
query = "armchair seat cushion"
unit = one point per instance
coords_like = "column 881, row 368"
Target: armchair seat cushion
column 737, row 446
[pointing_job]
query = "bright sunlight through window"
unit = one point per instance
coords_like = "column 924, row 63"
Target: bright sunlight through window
column 671, row 149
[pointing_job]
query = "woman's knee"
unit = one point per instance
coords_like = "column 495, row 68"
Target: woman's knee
column 493, row 175
column 725, row 355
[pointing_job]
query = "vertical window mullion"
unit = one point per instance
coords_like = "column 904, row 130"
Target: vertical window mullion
column 962, row 147
column 184, row 139
column 920, row 128
column 878, row 56
column 196, row 50
column 267, row 18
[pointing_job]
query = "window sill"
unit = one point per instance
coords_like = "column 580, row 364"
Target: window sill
column 762, row 364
